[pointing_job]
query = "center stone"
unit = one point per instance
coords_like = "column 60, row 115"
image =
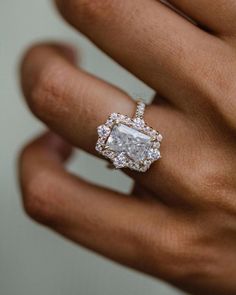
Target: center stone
column 134, row 144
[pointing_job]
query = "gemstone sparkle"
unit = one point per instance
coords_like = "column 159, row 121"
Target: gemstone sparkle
column 129, row 142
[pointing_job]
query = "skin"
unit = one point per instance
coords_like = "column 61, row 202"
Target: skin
column 179, row 223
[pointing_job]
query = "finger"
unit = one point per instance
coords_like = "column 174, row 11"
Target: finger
column 117, row 226
column 71, row 102
column 149, row 39
column 218, row 16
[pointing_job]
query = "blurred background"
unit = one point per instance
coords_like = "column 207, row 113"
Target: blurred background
column 33, row 260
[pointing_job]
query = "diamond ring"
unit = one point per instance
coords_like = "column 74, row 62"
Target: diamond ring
column 129, row 142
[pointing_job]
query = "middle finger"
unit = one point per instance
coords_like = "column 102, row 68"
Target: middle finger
column 149, row 39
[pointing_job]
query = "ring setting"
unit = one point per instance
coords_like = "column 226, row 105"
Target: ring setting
column 129, row 142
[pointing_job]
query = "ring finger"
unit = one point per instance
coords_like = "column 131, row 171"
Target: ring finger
column 73, row 103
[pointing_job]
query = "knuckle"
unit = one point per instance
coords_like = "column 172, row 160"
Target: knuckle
column 187, row 264
column 189, row 261
column 210, row 177
column 216, row 88
column 47, row 97
column 38, row 198
column 215, row 187
column 179, row 254
column 222, row 101
column 210, row 180
column 192, row 269
column 84, row 12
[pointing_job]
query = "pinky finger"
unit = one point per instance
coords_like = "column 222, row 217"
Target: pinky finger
column 121, row 228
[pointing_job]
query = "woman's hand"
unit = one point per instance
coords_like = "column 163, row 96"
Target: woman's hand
column 179, row 223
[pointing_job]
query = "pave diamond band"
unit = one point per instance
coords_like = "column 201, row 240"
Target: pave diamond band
column 140, row 110
column 129, row 142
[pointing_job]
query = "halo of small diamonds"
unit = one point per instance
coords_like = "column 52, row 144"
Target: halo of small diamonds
column 137, row 159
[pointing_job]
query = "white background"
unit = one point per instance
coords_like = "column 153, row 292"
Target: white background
column 33, row 260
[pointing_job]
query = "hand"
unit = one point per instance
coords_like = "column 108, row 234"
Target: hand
column 179, row 224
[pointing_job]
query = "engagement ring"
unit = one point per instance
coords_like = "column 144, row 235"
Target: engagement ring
column 129, row 142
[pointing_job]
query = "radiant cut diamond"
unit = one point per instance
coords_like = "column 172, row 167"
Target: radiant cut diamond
column 129, row 141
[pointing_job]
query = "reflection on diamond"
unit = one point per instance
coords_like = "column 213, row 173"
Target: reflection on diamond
column 120, row 161
column 103, row 130
column 129, row 141
column 153, row 154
